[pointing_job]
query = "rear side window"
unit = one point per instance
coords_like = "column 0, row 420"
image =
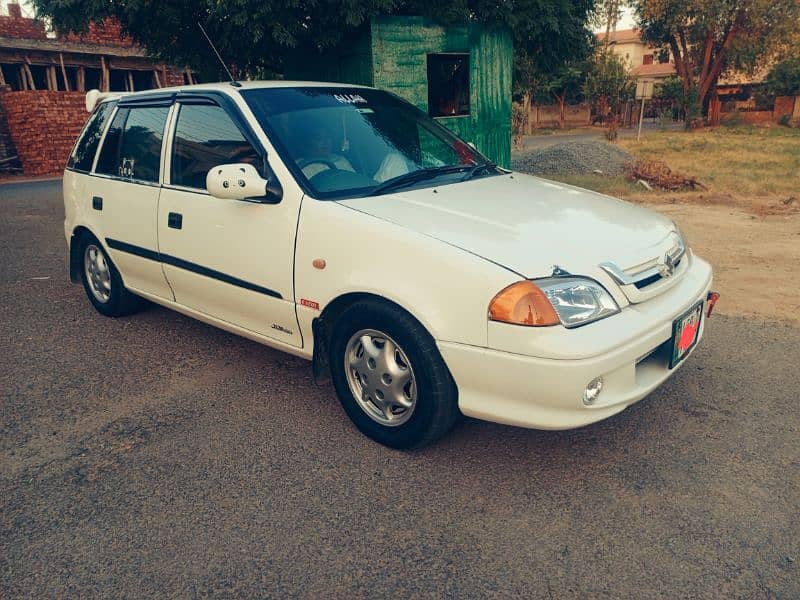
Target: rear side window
column 132, row 148
column 83, row 154
column 205, row 136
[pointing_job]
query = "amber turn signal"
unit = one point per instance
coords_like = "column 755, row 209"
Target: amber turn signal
column 523, row 303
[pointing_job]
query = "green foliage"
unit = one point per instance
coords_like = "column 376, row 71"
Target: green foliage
column 258, row 35
column 608, row 84
column 565, row 83
column 672, row 90
column 785, row 120
column 784, row 78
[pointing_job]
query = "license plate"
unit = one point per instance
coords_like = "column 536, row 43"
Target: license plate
column 685, row 330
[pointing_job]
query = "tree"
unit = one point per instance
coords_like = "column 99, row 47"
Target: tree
column 706, row 37
column 607, row 13
column 783, row 79
column 565, row 84
column 259, row 34
column 608, row 84
column 671, row 90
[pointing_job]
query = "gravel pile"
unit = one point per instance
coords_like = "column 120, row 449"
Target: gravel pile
column 573, row 158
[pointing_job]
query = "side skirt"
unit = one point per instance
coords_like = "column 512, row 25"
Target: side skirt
column 229, row 327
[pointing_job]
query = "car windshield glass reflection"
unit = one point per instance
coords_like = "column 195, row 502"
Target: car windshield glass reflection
column 344, row 142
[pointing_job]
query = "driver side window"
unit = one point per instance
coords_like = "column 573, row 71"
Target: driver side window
column 205, row 136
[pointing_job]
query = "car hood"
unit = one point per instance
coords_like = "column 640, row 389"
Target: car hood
column 526, row 224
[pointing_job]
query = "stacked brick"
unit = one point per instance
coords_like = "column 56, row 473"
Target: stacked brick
column 16, row 26
column 107, row 34
column 8, row 152
column 44, row 126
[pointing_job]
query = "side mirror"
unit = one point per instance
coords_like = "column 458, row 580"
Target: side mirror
column 241, row 181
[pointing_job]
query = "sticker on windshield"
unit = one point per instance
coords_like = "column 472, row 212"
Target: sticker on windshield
column 350, row 98
column 365, row 111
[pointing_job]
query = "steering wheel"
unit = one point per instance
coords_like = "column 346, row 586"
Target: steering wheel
column 316, row 161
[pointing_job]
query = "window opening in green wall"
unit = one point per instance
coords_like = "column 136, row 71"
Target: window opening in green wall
column 448, row 85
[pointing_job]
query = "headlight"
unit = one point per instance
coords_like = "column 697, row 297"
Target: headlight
column 578, row 300
column 571, row 301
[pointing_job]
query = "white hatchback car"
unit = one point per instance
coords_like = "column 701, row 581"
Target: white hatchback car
column 343, row 225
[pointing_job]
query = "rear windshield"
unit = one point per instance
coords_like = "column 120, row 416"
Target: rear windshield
column 345, row 142
column 82, row 156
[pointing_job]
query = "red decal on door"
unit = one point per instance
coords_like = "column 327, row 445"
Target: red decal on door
column 309, row 303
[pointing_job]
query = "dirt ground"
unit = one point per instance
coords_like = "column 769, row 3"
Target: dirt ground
column 756, row 256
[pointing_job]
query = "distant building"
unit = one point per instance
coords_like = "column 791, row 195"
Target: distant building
column 736, row 93
column 43, row 77
column 643, row 60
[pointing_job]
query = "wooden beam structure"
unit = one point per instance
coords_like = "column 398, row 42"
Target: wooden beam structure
column 64, row 72
column 105, row 75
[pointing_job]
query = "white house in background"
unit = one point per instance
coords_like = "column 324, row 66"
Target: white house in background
column 643, row 61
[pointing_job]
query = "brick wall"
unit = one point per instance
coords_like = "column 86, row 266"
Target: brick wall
column 43, row 127
column 16, row 26
column 8, row 164
column 109, row 33
column 548, row 115
column 787, row 105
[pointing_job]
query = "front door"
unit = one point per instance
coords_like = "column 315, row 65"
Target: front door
column 228, row 259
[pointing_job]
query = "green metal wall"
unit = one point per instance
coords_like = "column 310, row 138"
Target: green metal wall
column 391, row 54
column 400, row 46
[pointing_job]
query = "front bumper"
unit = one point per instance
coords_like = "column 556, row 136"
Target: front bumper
column 546, row 393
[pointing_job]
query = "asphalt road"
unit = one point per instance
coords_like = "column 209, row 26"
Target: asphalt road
column 154, row 456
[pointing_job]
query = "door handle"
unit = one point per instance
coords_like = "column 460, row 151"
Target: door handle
column 175, row 220
column 97, row 203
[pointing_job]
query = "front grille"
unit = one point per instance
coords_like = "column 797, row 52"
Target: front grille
column 643, row 283
column 649, row 272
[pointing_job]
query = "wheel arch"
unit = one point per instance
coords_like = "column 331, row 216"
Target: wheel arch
column 75, row 258
column 322, row 326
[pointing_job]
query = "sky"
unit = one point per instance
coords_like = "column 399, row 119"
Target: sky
column 626, row 22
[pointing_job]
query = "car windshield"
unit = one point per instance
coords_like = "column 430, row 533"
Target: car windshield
column 348, row 142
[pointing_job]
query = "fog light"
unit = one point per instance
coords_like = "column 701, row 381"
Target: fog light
column 592, row 391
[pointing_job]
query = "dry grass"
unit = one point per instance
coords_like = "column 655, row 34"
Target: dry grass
column 754, row 168
column 741, row 161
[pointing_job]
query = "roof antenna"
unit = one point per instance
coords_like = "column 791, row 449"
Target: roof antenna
column 234, row 83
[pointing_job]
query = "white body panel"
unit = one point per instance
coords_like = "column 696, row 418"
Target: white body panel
column 441, row 254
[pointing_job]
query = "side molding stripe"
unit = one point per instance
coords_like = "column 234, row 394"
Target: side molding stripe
column 190, row 266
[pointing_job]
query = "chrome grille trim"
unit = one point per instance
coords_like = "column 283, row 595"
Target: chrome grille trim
column 660, row 266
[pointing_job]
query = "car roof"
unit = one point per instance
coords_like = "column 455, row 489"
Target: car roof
column 222, row 86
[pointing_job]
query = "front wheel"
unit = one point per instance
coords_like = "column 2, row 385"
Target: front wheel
column 390, row 377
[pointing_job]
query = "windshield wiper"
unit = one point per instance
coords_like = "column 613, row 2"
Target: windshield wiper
column 415, row 177
column 477, row 169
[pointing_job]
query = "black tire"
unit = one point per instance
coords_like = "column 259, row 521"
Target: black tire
column 436, row 405
column 120, row 301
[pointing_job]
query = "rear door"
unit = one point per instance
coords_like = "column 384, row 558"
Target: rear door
column 230, row 259
column 126, row 189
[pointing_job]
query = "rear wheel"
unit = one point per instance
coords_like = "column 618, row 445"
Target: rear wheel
column 102, row 281
column 390, row 377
